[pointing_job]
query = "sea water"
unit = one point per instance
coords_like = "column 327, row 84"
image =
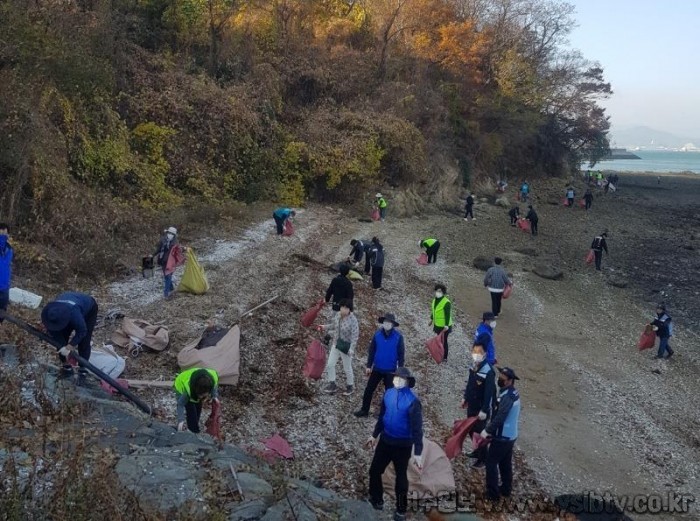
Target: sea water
column 653, row 161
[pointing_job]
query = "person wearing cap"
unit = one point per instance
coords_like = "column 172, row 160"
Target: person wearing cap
column 192, row 388
column 7, row 254
column 381, row 204
column 397, row 434
column 479, row 396
column 496, row 280
column 484, row 336
column 598, row 245
column 432, row 246
column 344, row 332
column 385, row 354
column 469, row 209
column 340, row 288
column 503, row 431
column 71, row 313
column 663, row 327
column 532, row 217
column 376, row 261
column 281, row 215
column 441, row 314
column 169, row 256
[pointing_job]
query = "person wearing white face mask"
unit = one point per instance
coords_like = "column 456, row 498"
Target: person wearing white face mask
column 484, row 336
column 397, row 434
column 169, row 256
column 441, row 314
column 385, row 355
column 479, row 396
column 344, row 331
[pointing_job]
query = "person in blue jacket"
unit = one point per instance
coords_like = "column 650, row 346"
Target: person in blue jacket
column 397, row 434
column 484, row 336
column 6, row 256
column 503, row 431
column 71, row 313
column 280, row 216
column 385, row 355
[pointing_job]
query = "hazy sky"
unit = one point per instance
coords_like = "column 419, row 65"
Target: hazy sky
column 650, row 51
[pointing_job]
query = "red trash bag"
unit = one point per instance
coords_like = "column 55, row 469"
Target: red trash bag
column 524, row 225
column 422, row 259
column 461, row 428
column 590, row 257
column 315, row 360
column 375, row 214
column 565, row 201
column 507, row 291
column 436, row 347
column 647, row 340
column 307, row 319
column 288, row 228
column 213, row 423
column 582, row 203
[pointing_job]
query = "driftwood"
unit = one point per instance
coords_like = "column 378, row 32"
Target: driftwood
column 151, row 383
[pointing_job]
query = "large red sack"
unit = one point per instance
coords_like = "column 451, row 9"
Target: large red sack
column 565, row 201
column 288, row 228
column 436, row 347
column 315, row 360
column 647, row 340
column 375, row 214
column 590, row 257
column 213, row 423
column 422, row 259
column 507, row 291
column 307, row 319
column 582, row 203
column 524, row 225
column 453, row 447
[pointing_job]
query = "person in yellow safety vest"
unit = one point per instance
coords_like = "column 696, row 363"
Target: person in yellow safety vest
column 441, row 313
column 431, row 248
column 193, row 387
column 381, row 204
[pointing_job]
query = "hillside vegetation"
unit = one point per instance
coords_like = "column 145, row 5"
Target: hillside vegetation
column 113, row 111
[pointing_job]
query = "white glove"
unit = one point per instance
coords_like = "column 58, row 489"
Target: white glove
column 418, row 461
column 181, row 426
column 655, row 328
column 485, row 434
column 482, row 415
column 65, row 351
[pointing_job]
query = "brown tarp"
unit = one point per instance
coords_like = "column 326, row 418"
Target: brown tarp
column 224, row 357
column 435, row 478
column 137, row 330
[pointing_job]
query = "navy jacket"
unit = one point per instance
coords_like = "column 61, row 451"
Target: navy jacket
column 401, row 419
column 505, row 422
column 386, row 351
column 6, row 256
column 480, row 393
column 376, row 255
column 80, row 308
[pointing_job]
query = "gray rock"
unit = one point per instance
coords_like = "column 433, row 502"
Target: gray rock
column 248, row 510
column 312, row 493
column 482, row 263
column 291, row 507
column 547, row 271
column 355, row 510
column 253, row 486
column 618, row 281
column 503, row 202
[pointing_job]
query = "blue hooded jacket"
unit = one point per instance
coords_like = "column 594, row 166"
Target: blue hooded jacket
column 401, row 419
column 484, row 336
column 6, row 256
column 386, row 351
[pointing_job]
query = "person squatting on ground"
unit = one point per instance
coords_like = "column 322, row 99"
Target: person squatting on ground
column 71, row 313
column 503, row 431
column 281, row 215
column 532, row 217
column 381, row 205
column 514, row 214
column 376, row 261
column 484, row 336
column 192, row 388
column 6, row 256
column 598, row 245
column 432, row 246
column 479, row 397
column 441, row 314
column 385, row 354
column 344, row 332
column 664, row 330
column 469, row 209
column 340, row 288
column 588, row 198
column 496, row 280
column 397, row 434
column 169, row 256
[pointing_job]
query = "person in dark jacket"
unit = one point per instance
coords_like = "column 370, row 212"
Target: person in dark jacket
column 664, row 330
column 385, row 354
column 469, row 209
column 340, row 288
column 532, row 217
column 588, row 198
column 281, row 215
column 432, row 246
column 397, row 434
column 376, row 260
column 359, row 248
column 71, row 313
column 503, row 431
column 514, row 214
column 7, row 255
column 598, row 245
column 441, row 315
column 479, row 396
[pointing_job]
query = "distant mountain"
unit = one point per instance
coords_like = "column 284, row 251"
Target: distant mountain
column 646, row 137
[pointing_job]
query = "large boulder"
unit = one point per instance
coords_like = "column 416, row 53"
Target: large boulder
column 482, row 263
column 617, row 280
column 547, row 271
column 503, row 202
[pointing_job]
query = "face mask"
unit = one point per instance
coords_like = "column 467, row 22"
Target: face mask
column 438, row 294
column 387, row 326
column 169, row 236
column 492, row 324
column 399, row 383
column 477, row 357
column 501, row 383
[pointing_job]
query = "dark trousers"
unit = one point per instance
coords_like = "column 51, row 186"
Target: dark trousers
column 193, row 410
column 598, row 258
column 279, row 222
column 469, row 212
column 588, row 204
column 533, row 227
column 496, row 302
column 383, row 455
column 663, row 346
column 84, row 347
column 382, row 213
column 513, row 220
column 437, row 331
column 571, row 202
column 377, row 273
column 432, row 252
column 372, row 383
column 499, row 460
column 4, row 300
column 368, row 266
